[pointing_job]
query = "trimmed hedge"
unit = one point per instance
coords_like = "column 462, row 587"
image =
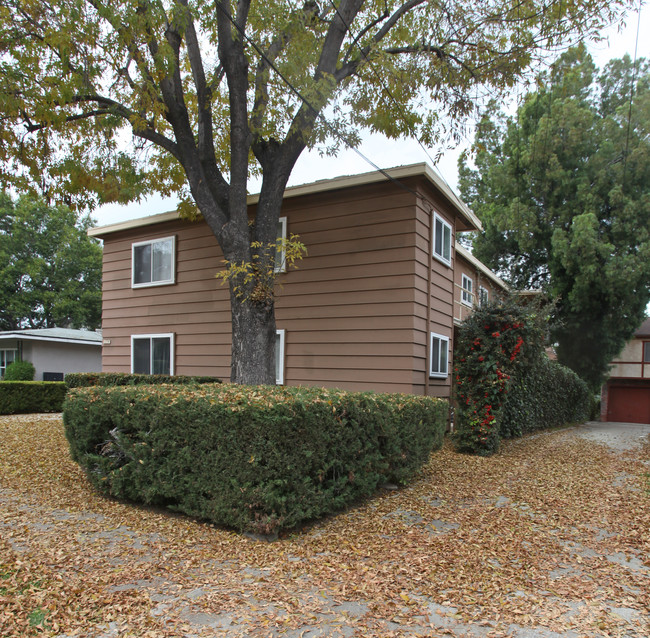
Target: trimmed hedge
column 88, row 379
column 20, row 371
column 28, row 397
column 547, row 395
column 258, row 459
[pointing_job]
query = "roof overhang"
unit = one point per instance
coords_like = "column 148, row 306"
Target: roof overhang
column 13, row 336
column 469, row 221
column 479, row 265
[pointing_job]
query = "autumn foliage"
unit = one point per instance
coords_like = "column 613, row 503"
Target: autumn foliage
column 257, row 459
column 505, row 385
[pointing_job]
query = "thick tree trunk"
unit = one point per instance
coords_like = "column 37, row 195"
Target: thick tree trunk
column 253, row 341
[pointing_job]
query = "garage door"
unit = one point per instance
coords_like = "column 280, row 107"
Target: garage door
column 629, row 404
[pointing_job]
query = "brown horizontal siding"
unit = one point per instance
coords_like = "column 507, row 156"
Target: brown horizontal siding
column 434, row 309
column 347, row 312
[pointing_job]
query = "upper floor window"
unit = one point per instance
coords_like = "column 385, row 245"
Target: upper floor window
column 467, row 297
column 441, row 239
column 280, row 252
column 646, row 351
column 152, row 354
column 153, row 262
column 6, row 357
column 279, row 357
column 439, row 356
column 483, row 296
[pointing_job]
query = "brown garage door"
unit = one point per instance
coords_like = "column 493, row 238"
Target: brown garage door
column 629, row 404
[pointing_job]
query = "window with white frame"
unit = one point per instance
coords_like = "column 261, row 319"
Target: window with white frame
column 153, row 262
column 280, row 252
column 439, row 356
column 646, row 352
column 467, row 296
column 441, row 239
column 152, row 354
column 6, row 357
column 279, row 356
column 483, row 296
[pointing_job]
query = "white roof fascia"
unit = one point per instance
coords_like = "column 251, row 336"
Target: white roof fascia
column 320, row 186
column 481, row 266
column 24, row 337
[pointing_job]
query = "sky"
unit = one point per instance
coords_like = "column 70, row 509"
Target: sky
column 389, row 153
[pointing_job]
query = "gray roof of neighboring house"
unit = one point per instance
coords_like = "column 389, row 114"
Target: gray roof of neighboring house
column 61, row 335
column 643, row 330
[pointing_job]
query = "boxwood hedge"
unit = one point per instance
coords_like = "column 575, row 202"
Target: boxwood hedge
column 87, row 379
column 27, row 397
column 259, row 459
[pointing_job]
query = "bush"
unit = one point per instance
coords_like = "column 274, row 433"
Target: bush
column 258, row 459
column 27, row 397
column 88, row 379
column 497, row 341
column 547, row 395
column 505, row 384
column 20, row 371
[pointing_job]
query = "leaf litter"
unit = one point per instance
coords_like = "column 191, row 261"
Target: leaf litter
column 551, row 535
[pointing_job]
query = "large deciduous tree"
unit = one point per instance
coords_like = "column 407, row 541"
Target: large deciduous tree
column 50, row 270
column 214, row 91
column 563, row 191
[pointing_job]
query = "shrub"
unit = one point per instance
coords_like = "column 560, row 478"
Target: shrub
column 87, row 379
column 20, row 371
column 26, row 397
column 257, row 458
column 544, row 396
column 497, row 341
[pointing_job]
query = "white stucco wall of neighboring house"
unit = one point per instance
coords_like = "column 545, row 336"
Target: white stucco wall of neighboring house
column 49, row 356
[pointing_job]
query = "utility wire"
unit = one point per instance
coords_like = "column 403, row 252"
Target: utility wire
column 629, row 113
column 310, row 106
column 390, row 94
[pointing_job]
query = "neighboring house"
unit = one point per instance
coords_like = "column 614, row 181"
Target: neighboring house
column 625, row 397
column 53, row 351
column 372, row 306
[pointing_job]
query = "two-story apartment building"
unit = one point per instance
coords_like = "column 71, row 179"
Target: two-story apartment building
column 372, row 306
column 625, row 397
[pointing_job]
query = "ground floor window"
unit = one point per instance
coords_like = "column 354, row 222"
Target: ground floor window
column 279, row 356
column 6, row 357
column 152, row 354
column 439, row 356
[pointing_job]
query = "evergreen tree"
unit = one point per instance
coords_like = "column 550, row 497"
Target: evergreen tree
column 563, row 191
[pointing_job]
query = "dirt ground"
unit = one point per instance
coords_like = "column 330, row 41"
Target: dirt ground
column 549, row 538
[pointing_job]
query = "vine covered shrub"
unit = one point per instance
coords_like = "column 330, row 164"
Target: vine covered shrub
column 20, row 371
column 87, row 379
column 258, row 459
column 505, row 385
column 497, row 341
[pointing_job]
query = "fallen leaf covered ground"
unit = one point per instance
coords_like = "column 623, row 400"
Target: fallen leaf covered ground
column 551, row 537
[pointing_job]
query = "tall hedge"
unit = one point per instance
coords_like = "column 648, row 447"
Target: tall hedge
column 546, row 395
column 258, row 458
column 504, row 384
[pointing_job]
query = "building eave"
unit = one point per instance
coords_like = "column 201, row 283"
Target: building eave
column 479, row 265
column 469, row 220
